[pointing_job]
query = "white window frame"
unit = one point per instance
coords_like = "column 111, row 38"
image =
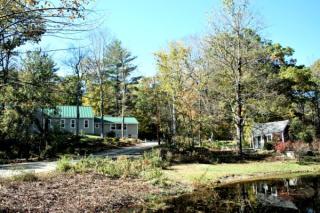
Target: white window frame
column 63, row 121
column 73, row 123
column 97, row 125
column 84, row 124
column 268, row 136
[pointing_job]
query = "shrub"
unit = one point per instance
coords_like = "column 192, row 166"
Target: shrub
column 148, row 166
column 64, row 164
column 280, row 147
column 298, row 146
column 26, row 177
column 85, row 164
column 155, row 159
column 316, row 146
column 268, row 146
column 111, row 134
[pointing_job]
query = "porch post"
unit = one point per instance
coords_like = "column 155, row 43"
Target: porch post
column 282, row 137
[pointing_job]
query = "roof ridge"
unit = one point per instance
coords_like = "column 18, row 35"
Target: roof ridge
column 274, row 121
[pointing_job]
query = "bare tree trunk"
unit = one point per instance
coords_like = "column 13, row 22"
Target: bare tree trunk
column 123, row 102
column 239, row 108
column 78, row 103
column 158, row 125
column 317, row 109
column 200, row 124
column 101, row 107
column 117, row 95
column 174, row 122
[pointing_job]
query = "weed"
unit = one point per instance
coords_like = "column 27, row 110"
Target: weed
column 26, row 177
column 64, row 164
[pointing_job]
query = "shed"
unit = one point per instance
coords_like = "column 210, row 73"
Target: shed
column 267, row 132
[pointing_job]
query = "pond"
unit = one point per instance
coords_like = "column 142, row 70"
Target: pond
column 277, row 195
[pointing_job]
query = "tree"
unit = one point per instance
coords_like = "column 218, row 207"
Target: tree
column 315, row 72
column 68, row 86
column 234, row 51
column 120, row 63
column 149, row 104
column 24, row 21
column 33, row 90
column 175, row 82
column 98, row 72
column 76, row 62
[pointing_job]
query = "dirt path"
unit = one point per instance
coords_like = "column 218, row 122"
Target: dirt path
column 9, row 170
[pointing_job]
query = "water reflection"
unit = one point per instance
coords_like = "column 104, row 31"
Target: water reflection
column 281, row 195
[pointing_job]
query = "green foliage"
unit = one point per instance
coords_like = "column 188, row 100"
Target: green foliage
column 300, row 131
column 64, row 164
column 155, row 159
column 149, row 166
column 68, row 86
column 307, row 135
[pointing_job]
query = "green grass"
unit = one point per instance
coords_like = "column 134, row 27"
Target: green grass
column 206, row 173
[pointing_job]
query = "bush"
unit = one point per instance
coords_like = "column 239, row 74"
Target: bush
column 111, row 134
column 155, row 158
column 148, row 166
column 26, row 177
column 280, row 147
column 268, row 146
column 64, row 164
column 298, row 146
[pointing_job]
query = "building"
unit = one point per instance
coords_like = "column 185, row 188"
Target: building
column 269, row 132
column 113, row 124
column 65, row 119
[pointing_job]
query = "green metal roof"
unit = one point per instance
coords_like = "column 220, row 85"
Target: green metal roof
column 118, row 120
column 71, row 112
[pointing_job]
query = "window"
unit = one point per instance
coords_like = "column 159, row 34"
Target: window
column 118, row 126
column 113, row 127
column 73, row 123
column 269, row 138
column 86, row 123
column 97, row 125
column 62, row 123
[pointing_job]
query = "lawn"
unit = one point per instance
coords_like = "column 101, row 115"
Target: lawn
column 227, row 173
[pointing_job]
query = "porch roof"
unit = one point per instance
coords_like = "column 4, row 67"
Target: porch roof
column 269, row 128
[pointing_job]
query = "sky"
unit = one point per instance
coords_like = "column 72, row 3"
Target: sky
column 147, row 26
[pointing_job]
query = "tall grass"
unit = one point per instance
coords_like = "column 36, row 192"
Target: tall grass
column 149, row 166
column 64, row 164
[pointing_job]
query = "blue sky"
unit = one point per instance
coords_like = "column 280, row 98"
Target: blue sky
column 146, row 26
